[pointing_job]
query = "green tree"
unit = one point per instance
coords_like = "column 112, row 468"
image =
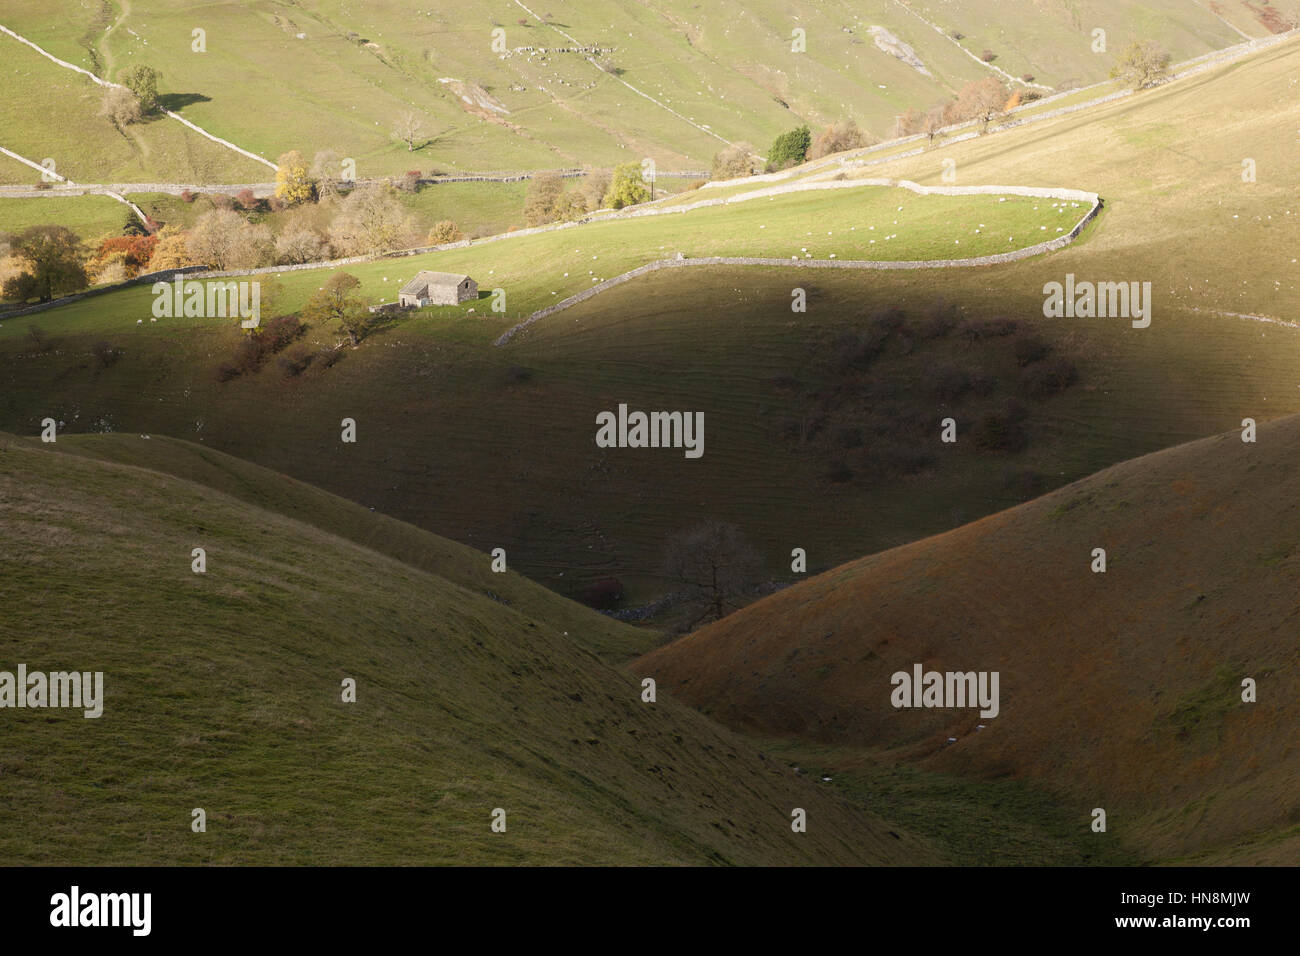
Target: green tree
column 626, row 188
column 789, row 149
column 336, row 302
column 52, row 264
column 143, row 82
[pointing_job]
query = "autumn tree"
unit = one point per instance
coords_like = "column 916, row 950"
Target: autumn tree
column 544, row 190
column 733, row 162
column 626, row 187
column 293, row 180
column 338, row 304
column 571, row 206
column 1142, row 64
column 121, row 257
column 908, row 122
column 370, row 219
column 50, row 264
column 444, row 232
column 838, row 137
column 171, row 250
column 593, row 187
column 714, row 567
column 982, row 100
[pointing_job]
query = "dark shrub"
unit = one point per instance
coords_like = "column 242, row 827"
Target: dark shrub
column 848, row 436
column 1029, row 349
column 940, row 319
column 328, row 357
column 517, row 374
column 989, row 329
column 1048, row 378
column 249, row 356
column 1024, row 483
column 605, row 593
column 246, row 199
column 294, row 362
column 838, row 473
column 887, row 320
column 982, row 383
column 1001, row 432
column 279, row 332
column 950, row 383
column 105, row 354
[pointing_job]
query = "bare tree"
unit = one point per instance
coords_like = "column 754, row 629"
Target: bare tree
column 715, row 566
column 370, row 219
column 409, row 128
column 933, row 121
column 225, row 240
column 300, row 245
column 121, row 107
column 326, row 166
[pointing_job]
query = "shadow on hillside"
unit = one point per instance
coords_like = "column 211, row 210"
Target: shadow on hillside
column 175, row 102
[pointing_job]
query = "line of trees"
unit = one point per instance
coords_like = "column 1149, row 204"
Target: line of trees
column 549, row 199
column 789, row 149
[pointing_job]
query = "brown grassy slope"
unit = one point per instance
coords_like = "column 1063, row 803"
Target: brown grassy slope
column 222, row 691
column 1119, row 690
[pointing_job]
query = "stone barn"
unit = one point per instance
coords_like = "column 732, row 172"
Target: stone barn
column 437, row 288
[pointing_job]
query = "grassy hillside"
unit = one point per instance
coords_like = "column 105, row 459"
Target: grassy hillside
column 485, row 444
column 463, row 566
column 87, row 216
column 52, row 112
column 222, row 691
column 667, row 79
column 1119, row 690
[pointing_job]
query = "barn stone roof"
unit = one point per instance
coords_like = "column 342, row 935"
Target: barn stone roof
column 425, row 279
